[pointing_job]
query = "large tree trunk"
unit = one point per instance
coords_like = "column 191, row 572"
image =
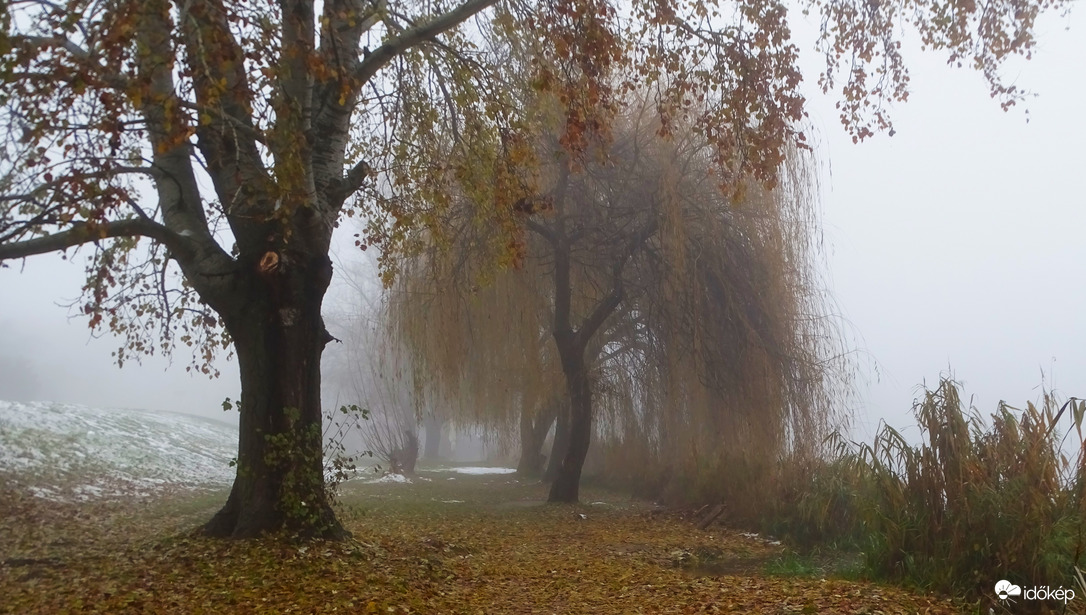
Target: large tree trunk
column 566, row 486
column 279, row 336
column 533, row 431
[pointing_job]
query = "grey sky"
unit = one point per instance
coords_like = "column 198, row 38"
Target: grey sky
column 54, row 358
column 957, row 242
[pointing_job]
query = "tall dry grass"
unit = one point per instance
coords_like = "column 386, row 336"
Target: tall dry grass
column 974, row 502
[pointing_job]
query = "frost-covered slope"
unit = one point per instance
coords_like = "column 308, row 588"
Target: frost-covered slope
column 72, row 451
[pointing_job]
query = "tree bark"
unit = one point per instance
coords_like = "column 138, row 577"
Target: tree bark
column 566, row 486
column 279, row 336
column 432, row 428
column 560, row 444
column 403, row 459
column 533, row 431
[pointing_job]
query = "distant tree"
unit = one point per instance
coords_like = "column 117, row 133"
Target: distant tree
column 479, row 337
column 432, row 432
column 374, row 375
column 370, row 370
column 661, row 297
column 534, row 427
column 233, row 135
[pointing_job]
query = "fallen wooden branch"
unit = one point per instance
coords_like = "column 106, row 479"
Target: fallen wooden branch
column 712, row 516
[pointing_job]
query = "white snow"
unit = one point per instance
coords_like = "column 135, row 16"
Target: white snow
column 476, row 470
column 70, row 451
column 391, row 478
column 76, row 452
column 768, row 541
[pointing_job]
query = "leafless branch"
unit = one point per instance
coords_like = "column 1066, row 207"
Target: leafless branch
column 85, row 232
column 52, row 41
column 413, row 36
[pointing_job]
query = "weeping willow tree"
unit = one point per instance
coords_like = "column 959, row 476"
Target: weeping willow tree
column 733, row 364
column 678, row 324
column 650, row 285
column 476, row 339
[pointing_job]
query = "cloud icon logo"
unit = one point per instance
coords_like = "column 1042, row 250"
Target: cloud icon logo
column 1005, row 589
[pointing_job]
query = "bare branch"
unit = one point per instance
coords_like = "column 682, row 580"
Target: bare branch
column 85, row 232
column 618, row 291
column 412, row 37
column 347, row 186
column 124, row 170
column 52, row 41
column 373, row 18
column 542, row 231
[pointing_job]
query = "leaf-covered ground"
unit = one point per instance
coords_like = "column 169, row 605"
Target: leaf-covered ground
column 446, row 543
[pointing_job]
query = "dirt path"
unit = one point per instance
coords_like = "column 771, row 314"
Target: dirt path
column 447, row 543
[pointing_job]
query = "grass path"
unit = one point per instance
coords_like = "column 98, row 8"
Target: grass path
column 454, row 543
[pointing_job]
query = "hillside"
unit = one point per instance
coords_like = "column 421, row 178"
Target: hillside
column 75, row 452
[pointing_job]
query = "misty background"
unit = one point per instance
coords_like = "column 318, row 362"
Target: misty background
column 957, row 243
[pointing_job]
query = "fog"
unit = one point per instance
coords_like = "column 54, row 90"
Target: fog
column 958, row 243
column 955, row 243
column 47, row 356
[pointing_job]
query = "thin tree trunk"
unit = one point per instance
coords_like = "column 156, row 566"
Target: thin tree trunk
column 403, row 458
column 573, row 341
column 533, row 431
column 279, row 336
column 566, row 486
column 560, row 444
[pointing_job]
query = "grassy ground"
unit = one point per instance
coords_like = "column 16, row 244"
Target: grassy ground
column 452, row 544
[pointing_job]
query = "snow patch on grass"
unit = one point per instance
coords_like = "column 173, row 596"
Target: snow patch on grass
column 76, row 452
column 476, row 470
column 390, row 478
